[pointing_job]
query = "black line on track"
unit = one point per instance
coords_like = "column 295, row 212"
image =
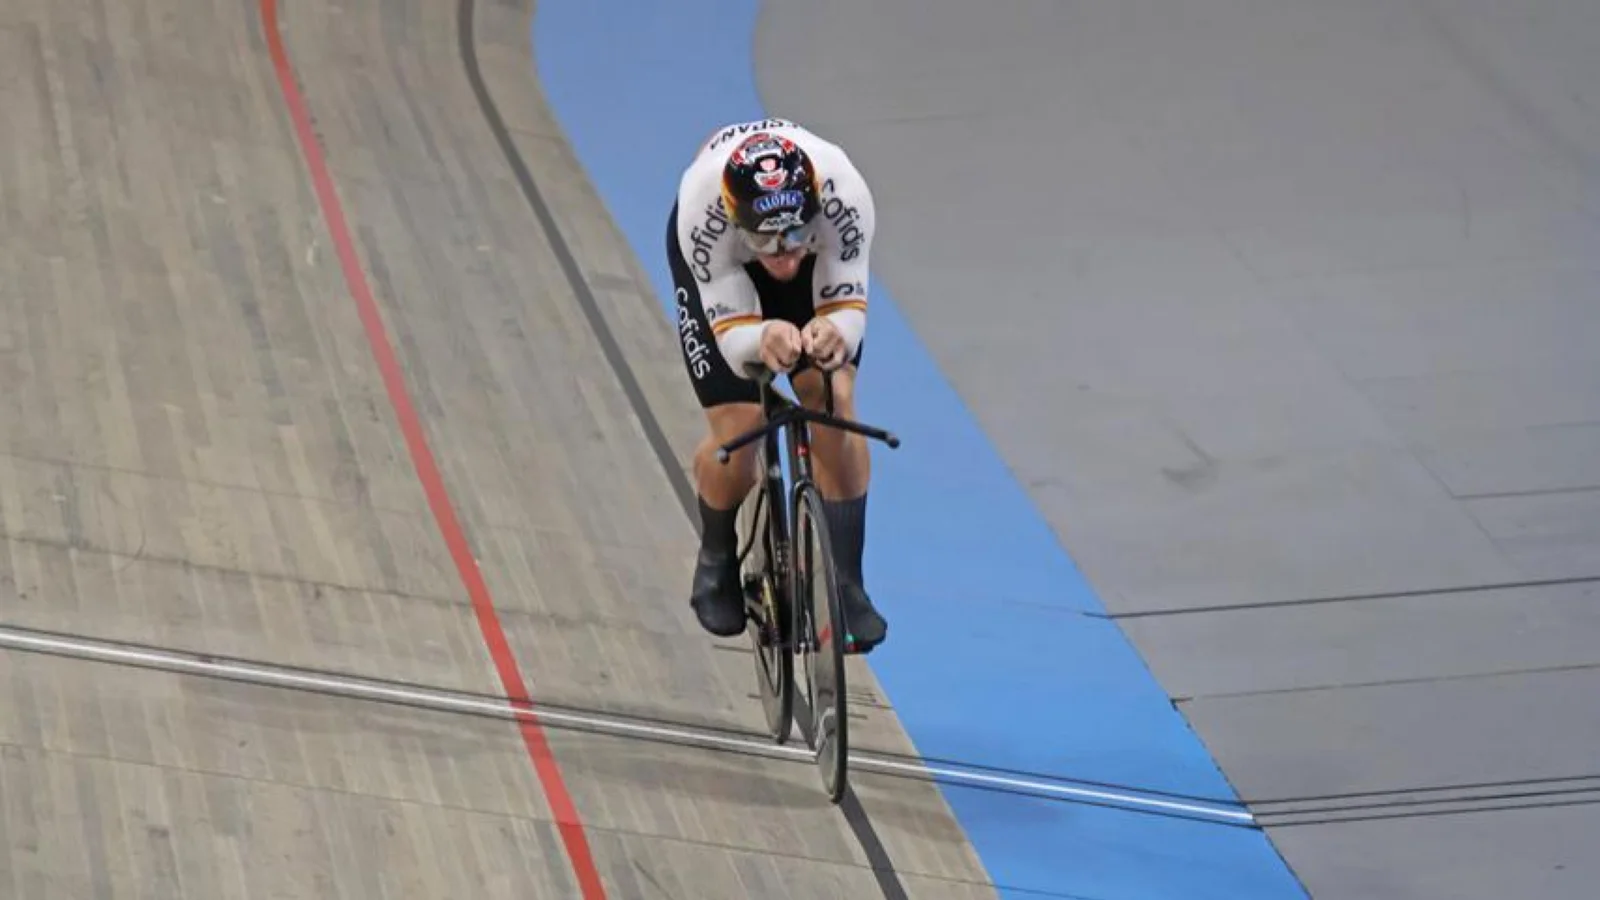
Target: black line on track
column 1349, row 598
column 1429, row 814
column 570, row 268
column 854, row 814
column 1464, row 803
column 1390, row 682
column 1438, row 788
column 1537, row 492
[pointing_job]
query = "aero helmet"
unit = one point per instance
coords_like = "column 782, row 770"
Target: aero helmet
column 769, row 188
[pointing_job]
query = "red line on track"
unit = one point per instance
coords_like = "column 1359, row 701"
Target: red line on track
column 565, row 811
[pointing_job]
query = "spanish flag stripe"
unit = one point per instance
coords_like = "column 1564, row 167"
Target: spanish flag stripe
column 842, row 304
column 733, row 322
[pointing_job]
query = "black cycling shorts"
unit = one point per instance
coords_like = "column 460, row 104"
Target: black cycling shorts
column 787, row 300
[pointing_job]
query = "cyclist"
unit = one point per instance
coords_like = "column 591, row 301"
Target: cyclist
column 768, row 243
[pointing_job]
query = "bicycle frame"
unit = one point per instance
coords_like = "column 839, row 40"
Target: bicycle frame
column 794, row 419
column 788, row 624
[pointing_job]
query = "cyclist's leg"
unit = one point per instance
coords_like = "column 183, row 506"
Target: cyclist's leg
column 842, row 466
column 716, row 594
column 731, row 407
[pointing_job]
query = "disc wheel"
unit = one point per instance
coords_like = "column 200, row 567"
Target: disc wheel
column 774, row 666
column 821, row 637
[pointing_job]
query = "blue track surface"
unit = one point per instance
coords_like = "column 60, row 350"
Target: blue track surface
column 990, row 659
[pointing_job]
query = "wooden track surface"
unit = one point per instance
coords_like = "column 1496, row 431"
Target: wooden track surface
column 199, row 453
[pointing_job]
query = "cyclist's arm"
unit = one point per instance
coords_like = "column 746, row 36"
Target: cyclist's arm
column 708, row 277
column 840, row 278
column 734, row 312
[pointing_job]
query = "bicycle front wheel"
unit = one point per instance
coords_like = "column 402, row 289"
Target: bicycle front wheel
column 821, row 638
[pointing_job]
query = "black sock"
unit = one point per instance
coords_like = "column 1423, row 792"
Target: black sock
column 847, row 526
column 718, row 529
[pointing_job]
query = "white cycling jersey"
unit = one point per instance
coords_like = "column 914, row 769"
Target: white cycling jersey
column 716, row 257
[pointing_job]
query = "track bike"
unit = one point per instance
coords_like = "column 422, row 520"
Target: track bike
column 785, row 556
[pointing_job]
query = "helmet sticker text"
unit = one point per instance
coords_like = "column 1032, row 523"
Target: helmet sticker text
column 779, row 200
column 782, row 221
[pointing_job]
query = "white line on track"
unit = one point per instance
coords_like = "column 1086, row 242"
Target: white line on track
column 178, row 661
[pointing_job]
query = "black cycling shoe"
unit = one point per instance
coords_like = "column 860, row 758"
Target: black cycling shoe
column 717, row 596
column 865, row 626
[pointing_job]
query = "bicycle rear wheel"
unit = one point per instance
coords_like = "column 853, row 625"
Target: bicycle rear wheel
column 763, row 600
column 820, row 637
